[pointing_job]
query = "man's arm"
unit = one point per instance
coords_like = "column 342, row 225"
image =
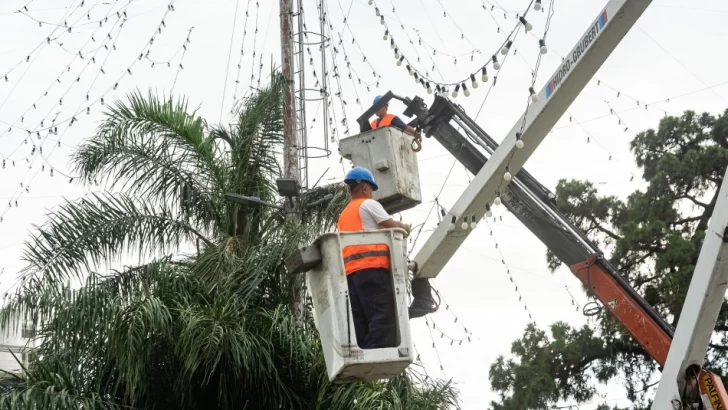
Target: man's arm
column 381, row 217
column 397, row 122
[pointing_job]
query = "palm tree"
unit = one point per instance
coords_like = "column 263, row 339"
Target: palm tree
column 205, row 323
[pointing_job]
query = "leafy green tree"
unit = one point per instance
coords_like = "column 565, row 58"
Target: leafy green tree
column 654, row 238
column 202, row 328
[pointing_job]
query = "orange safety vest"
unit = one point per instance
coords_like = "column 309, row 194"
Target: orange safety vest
column 385, row 121
column 358, row 257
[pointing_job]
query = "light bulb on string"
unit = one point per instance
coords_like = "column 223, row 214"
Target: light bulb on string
column 484, row 76
column 488, row 212
column 409, row 69
column 497, row 200
column 429, row 89
column 473, row 82
column 496, row 64
column 506, row 48
column 371, row 2
column 396, row 53
column 464, row 225
column 507, row 175
column 537, row 5
column 542, row 45
column 519, row 141
column 451, row 226
column 376, row 9
column 399, row 62
column 473, row 222
column 391, row 44
column 526, row 24
column 455, row 91
column 466, row 92
column 422, row 82
column 381, row 20
column 386, row 35
column 534, row 96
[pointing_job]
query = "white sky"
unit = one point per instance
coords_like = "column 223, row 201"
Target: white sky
column 673, row 52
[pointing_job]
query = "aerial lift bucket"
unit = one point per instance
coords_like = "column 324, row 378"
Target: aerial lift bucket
column 327, row 285
column 387, row 153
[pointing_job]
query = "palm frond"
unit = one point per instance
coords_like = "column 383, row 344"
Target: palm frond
column 154, row 149
column 99, row 229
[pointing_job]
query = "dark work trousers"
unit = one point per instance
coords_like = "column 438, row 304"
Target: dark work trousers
column 373, row 307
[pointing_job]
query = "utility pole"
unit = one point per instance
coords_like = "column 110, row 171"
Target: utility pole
column 290, row 137
column 290, row 145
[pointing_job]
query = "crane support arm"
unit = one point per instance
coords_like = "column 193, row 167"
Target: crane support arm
column 698, row 317
column 600, row 39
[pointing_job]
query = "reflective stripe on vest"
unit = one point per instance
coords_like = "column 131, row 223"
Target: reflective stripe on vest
column 358, row 257
column 385, row 121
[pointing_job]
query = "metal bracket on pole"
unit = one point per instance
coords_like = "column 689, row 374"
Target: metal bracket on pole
column 600, row 39
column 700, row 310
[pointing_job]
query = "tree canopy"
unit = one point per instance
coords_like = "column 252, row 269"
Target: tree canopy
column 654, row 239
column 201, row 329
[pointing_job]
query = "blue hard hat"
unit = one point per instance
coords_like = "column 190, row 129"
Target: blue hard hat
column 361, row 174
column 376, row 99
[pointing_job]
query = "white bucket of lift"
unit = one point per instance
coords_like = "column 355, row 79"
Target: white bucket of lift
column 345, row 360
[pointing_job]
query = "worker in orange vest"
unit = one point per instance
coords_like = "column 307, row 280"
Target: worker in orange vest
column 367, row 267
column 390, row 120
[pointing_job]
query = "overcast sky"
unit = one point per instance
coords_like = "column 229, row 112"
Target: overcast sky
column 671, row 61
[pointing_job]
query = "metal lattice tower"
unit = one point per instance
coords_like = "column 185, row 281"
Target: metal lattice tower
column 303, row 41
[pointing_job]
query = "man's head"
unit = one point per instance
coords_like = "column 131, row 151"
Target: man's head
column 382, row 111
column 360, row 182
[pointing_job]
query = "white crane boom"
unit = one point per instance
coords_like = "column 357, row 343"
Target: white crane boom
column 600, row 39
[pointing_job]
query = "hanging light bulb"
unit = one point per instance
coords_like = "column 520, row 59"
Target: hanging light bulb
column 391, row 43
column 381, row 20
column 525, row 22
column 396, row 53
column 376, row 9
column 534, row 96
column 409, row 69
column 497, row 200
column 371, row 2
column 422, row 81
column 399, row 62
column 488, row 212
column 542, row 45
column 466, row 92
column 484, row 77
column 473, row 82
column 507, row 175
column 496, row 64
column 451, row 226
column 519, row 141
column 455, row 91
column 464, row 225
column 507, row 47
column 437, row 90
column 386, row 35
column 473, row 222
column 429, row 89
column 537, row 5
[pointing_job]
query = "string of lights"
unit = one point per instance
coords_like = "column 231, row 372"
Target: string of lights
column 335, row 74
column 126, row 72
column 507, row 176
column 255, row 43
column 242, row 54
column 508, row 273
column 118, row 26
column 39, row 47
column 462, row 33
column 441, row 88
